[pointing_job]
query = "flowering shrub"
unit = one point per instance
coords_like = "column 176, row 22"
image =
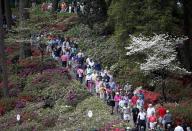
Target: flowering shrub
column 10, row 85
column 28, row 116
column 26, row 98
column 7, row 104
column 150, row 97
column 33, row 66
column 36, row 52
column 14, row 92
column 181, row 111
column 20, row 104
column 160, row 51
column 49, row 121
column 50, row 76
column 71, row 98
column 2, row 111
column 75, row 93
column 9, row 50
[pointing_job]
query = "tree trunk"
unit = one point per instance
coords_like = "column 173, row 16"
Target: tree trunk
column 21, row 11
column 55, row 5
column 27, row 3
column 8, row 13
column 2, row 55
column 16, row 3
column 187, row 4
column 21, row 19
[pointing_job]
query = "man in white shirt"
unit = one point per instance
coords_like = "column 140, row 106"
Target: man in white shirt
column 142, row 119
column 178, row 128
column 150, row 110
column 121, row 103
column 80, row 54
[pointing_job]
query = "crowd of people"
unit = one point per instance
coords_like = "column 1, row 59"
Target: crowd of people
column 74, row 7
column 124, row 100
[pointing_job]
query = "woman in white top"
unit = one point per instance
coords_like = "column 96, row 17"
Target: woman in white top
column 91, row 63
column 126, row 113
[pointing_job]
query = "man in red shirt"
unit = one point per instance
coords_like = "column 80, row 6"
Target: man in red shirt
column 161, row 111
column 134, row 100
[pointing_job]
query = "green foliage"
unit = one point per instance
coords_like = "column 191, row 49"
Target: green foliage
column 181, row 111
column 94, row 11
column 148, row 17
column 7, row 103
column 78, row 119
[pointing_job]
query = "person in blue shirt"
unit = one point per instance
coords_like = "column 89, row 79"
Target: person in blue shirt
column 97, row 66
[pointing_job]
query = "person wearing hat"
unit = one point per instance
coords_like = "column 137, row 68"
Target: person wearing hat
column 167, row 120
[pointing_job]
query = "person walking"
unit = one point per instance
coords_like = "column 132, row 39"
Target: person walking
column 161, row 111
column 111, row 101
column 140, row 103
column 167, row 120
column 117, row 98
column 135, row 112
column 152, row 121
column 126, row 113
column 64, row 59
column 150, row 111
column 142, row 120
column 80, row 73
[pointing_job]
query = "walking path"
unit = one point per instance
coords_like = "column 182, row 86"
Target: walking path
column 98, row 81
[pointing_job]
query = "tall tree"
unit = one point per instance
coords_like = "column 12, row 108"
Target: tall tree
column 55, row 5
column 94, row 11
column 2, row 55
column 23, row 30
column 185, row 51
column 8, row 13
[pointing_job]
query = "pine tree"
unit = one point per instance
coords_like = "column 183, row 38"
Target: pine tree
column 143, row 16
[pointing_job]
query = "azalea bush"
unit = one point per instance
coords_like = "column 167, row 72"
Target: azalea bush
column 7, row 104
column 28, row 66
column 181, row 111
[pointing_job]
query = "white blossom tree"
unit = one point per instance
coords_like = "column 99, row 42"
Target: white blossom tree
column 160, row 52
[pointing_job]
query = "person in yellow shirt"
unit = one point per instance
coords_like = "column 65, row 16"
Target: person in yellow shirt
column 94, row 79
column 102, row 91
